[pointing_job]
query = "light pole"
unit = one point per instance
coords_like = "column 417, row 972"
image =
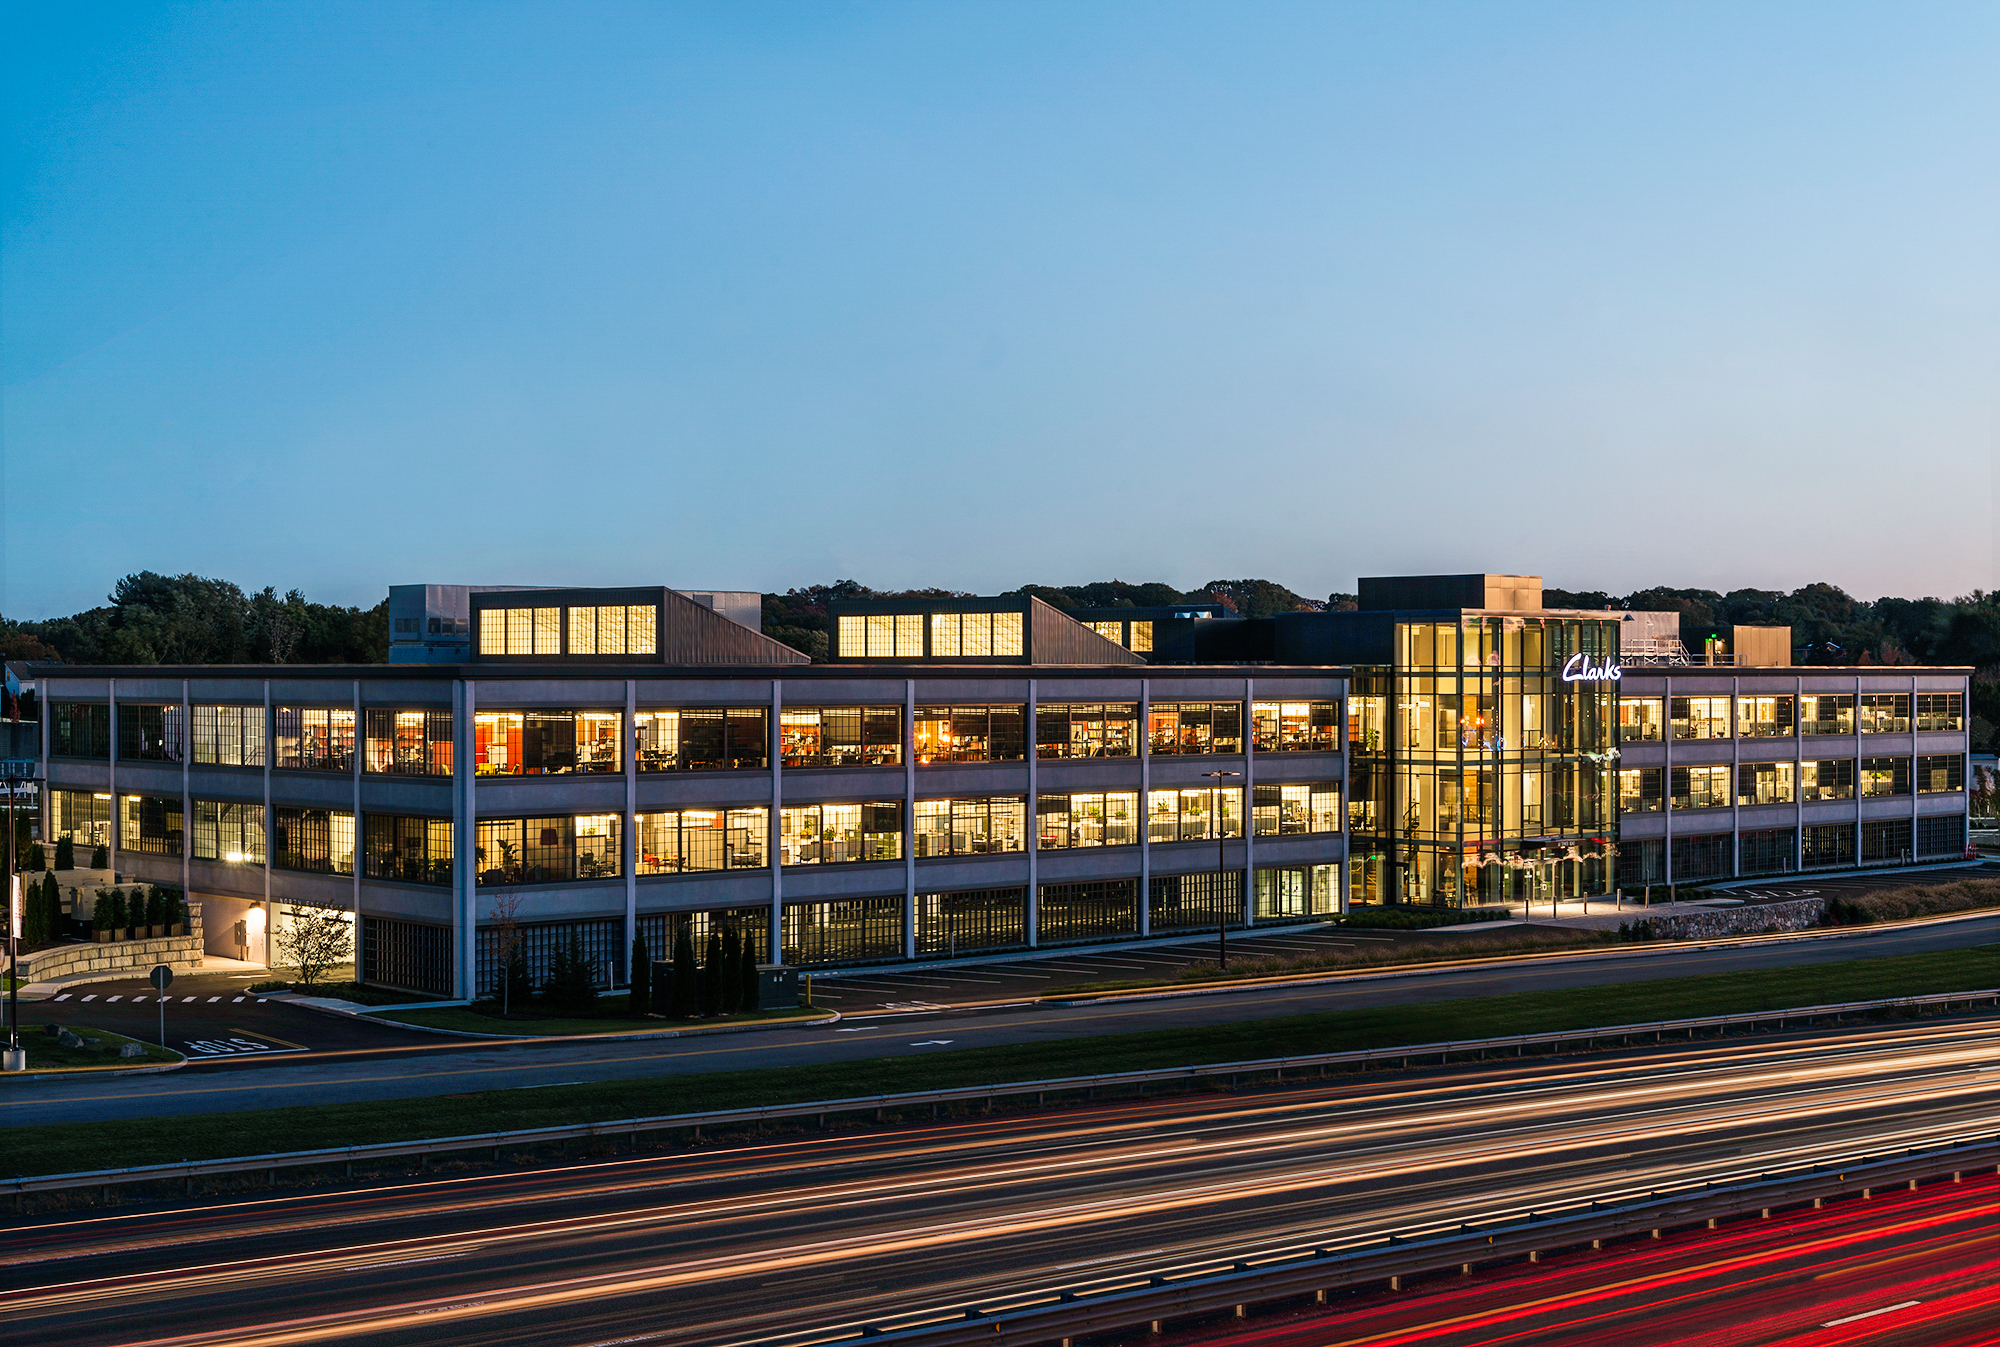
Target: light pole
column 14, row 771
column 1221, row 867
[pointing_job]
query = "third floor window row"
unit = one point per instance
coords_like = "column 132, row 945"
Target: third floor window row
column 1650, row 719
column 419, row 742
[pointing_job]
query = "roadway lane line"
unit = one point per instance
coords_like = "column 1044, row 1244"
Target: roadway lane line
column 1870, row 1314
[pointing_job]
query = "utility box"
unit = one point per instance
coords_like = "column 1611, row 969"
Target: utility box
column 663, row 985
column 777, row 987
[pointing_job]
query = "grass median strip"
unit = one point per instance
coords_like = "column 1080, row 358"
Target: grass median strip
column 465, row 1019
column 71, row 1146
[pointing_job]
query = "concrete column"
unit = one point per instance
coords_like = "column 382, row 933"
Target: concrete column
column 1034, row 900
column 187, row 813
column 1858, row 824
column 465, row 704
column 628, row 846
column 1249, row 802
column 1667, row 782
column 777, row 758
column 360, row 837
column 1735, row 766
column 1915, row 793
column 1145, row 801
column 909, row 818
column 44, row 798
column 268, row 742
column 117, row 810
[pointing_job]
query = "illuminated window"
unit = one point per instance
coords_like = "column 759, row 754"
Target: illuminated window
column 1826, row 713
column 1087, row 730
column 1197, row 815
column 1195, row 727
column 1826, row 780
column 841, row 736
column 150, row 824
column 230, row 832
column 971, row 733
column 1941, row 773
column 548, row 850
column 1700, row 717
column 974, row 827
column 317, row 841
column 409, row 743
column 230, row 736
column 1885, row 713
column 1109, row 819
column 1639, row 719
column 407, row 850
column 1639, row 790
column 832, row 834
column 1701, row 787
column 678, row 841
column 1142, row 637
column 1110, row 631
column 80, row 815
column 536, row 743
column 1296, row 727
column 1885, row 776
column 1279, row 811
column 1765, row 783
column 975, row 635
column 313, row 738
column 1940, row 711
column 702, row 739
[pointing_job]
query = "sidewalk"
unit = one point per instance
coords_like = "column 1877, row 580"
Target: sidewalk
column 211, row 966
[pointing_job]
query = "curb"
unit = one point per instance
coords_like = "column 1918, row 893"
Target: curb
column 636, row 1035
column 97, row 1072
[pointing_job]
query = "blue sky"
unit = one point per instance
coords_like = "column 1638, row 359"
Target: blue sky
column 759, row 295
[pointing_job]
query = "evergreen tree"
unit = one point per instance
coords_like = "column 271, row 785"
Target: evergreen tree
column 100, row 858
column 639, row 1001
column 747, row 975
column 681, row 1003
column 65, row 853
column 570, row 985
column 520, row 987
column 711, row 976
column 728, row 978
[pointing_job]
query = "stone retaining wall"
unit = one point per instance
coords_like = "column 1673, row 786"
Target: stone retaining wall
column 1801, row 914
column 117, row 958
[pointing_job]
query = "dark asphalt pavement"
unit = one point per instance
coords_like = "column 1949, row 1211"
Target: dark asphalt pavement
column 774, row 1239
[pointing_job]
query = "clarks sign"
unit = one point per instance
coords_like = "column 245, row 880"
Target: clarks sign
column 1579, row 669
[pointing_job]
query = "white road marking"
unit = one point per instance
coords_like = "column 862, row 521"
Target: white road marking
column 1869, row 1314
column 135, row 1000
column 187, row 1000
column 64, row 997
column 861, row 1029
column 931, row 1043
column 237, row 1000
column 213, row 999
column 91, row 997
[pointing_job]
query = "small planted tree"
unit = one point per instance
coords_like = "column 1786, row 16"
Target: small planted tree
column 317, row 935
column 747, row 975
column 173, row 909
column 510, row 950
column 156, row 910
column 729, row 977
column 34, row 857
column 100, row 857
column 639, row 1001
column 570, row 985
column 65, row 853
column 107, row 915
column 711, row 976
column 681, row 1000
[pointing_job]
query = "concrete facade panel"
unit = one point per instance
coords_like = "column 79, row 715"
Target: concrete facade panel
column 583, row 793
column 700, row 790
column 405, row 795
column 227, row 783
column 969, row 873
column 407, row 903
column 582, row 694
column 690, row 893
column 322, row 790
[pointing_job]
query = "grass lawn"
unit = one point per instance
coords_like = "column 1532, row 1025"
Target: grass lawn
column 67, row 1147
column 45, row 1052
column 1449, row 949
column 470, row 1020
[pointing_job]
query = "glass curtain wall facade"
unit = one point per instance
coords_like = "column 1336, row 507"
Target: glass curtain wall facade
column 1490, row 774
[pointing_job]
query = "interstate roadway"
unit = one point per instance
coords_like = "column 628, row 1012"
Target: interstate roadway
column 427, row 1066
column 779, row 1237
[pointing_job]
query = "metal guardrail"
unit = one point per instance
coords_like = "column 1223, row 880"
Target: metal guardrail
column 1061, row 1316
column 631, row 1128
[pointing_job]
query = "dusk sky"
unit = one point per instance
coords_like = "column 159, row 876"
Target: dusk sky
column 754, row 296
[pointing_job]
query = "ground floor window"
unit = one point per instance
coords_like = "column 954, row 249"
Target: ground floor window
column 227, row 831
column 1368, row 879
column 82, row 816
column 600, row 940
column 407, row 850
column 660, row 930
column 1887, row 840
column 319, row 841
column 1702, row 856
column 406, row 955
column 1766, row 851
column 848, row 930
column 150, row 824
column 1941, row 836
column 548, row 850
column 1091, row 910
column 953, row 923
column 1828, row 845
column 1641, row 863
column 1296, row 892
column 1201, row 901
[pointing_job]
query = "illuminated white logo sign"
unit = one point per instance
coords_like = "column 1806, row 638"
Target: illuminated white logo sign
column 1579, row 669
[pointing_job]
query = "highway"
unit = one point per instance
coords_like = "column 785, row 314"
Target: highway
column 771, row 1238
column 407, row 1065
column 1910, row 1269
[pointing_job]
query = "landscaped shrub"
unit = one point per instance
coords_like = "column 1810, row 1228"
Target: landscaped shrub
column 1416, row 918
column 108, row 913
column 685, row 995
column 65, row 853
column 173, row 907
column 747, row 976
column 570, row 986
column 639, row 1001
column 34, row 857
column 100, row 857
column 729, row 978
column 156, row 906
column 1918, row 900
column 710, row 1002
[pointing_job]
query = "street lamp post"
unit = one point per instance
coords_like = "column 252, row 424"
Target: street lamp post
column 1221, row 868
column 14, row 772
